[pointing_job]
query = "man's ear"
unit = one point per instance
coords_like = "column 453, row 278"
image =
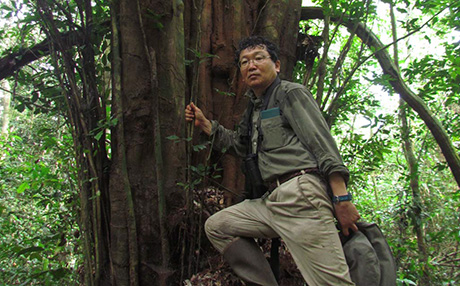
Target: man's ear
column 278, row 66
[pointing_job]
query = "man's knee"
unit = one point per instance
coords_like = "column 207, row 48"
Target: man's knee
column 209, row 226
column 213, row 225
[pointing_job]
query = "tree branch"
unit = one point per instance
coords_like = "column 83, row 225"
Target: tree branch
column 15, row 61
column 412, row 99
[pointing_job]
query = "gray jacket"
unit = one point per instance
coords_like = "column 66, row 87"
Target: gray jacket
column 295, row 134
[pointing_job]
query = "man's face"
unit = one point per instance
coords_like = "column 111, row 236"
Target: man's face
column 257, row 69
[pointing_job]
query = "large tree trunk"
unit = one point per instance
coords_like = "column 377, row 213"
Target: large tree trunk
column 146, row 166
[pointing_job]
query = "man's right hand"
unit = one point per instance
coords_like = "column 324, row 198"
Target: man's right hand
column 193, row 113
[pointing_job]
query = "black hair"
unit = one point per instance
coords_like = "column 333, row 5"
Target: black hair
column 257, row 41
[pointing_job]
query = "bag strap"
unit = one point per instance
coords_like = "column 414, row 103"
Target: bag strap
column 249, row 127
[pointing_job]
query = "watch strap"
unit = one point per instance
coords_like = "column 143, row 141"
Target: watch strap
column 344, row 198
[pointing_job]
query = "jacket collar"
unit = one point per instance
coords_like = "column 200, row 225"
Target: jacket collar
column 265, row 98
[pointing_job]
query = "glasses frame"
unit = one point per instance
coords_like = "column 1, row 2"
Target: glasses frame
column 254, row 60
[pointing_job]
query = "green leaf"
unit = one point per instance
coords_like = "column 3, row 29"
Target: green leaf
column 24, row 186
column 183, row 185
column 158, row 25
column 428, row 39
column 99, row 135
column 230, row 94
column 174, row 138
column 197, row 148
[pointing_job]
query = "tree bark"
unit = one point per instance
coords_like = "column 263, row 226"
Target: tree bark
column 152, row 102
column 414, row 101
column 417, row 219
column 5, row 99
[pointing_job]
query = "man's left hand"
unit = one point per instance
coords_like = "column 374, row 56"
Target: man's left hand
column 347, row 215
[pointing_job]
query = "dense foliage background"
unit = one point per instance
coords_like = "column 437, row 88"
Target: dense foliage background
column 400, row 178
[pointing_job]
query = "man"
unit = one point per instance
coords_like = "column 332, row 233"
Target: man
column 298, row 159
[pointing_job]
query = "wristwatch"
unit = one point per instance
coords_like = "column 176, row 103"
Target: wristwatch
column 344, row 198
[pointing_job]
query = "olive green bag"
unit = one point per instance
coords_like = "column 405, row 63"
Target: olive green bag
column 369, row 257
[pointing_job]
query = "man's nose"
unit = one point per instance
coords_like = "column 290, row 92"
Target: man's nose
column 251, row 65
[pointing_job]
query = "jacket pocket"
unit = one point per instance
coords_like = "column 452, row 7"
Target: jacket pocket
column 274, row 135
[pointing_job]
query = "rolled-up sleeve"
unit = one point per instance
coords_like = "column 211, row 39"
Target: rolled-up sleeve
column 305, row 118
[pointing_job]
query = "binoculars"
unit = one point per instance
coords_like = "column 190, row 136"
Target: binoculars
column 254, row 185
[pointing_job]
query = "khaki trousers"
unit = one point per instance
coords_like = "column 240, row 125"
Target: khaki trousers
column 301, row 213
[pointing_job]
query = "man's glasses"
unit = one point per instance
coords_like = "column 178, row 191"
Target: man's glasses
column 257, row 60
